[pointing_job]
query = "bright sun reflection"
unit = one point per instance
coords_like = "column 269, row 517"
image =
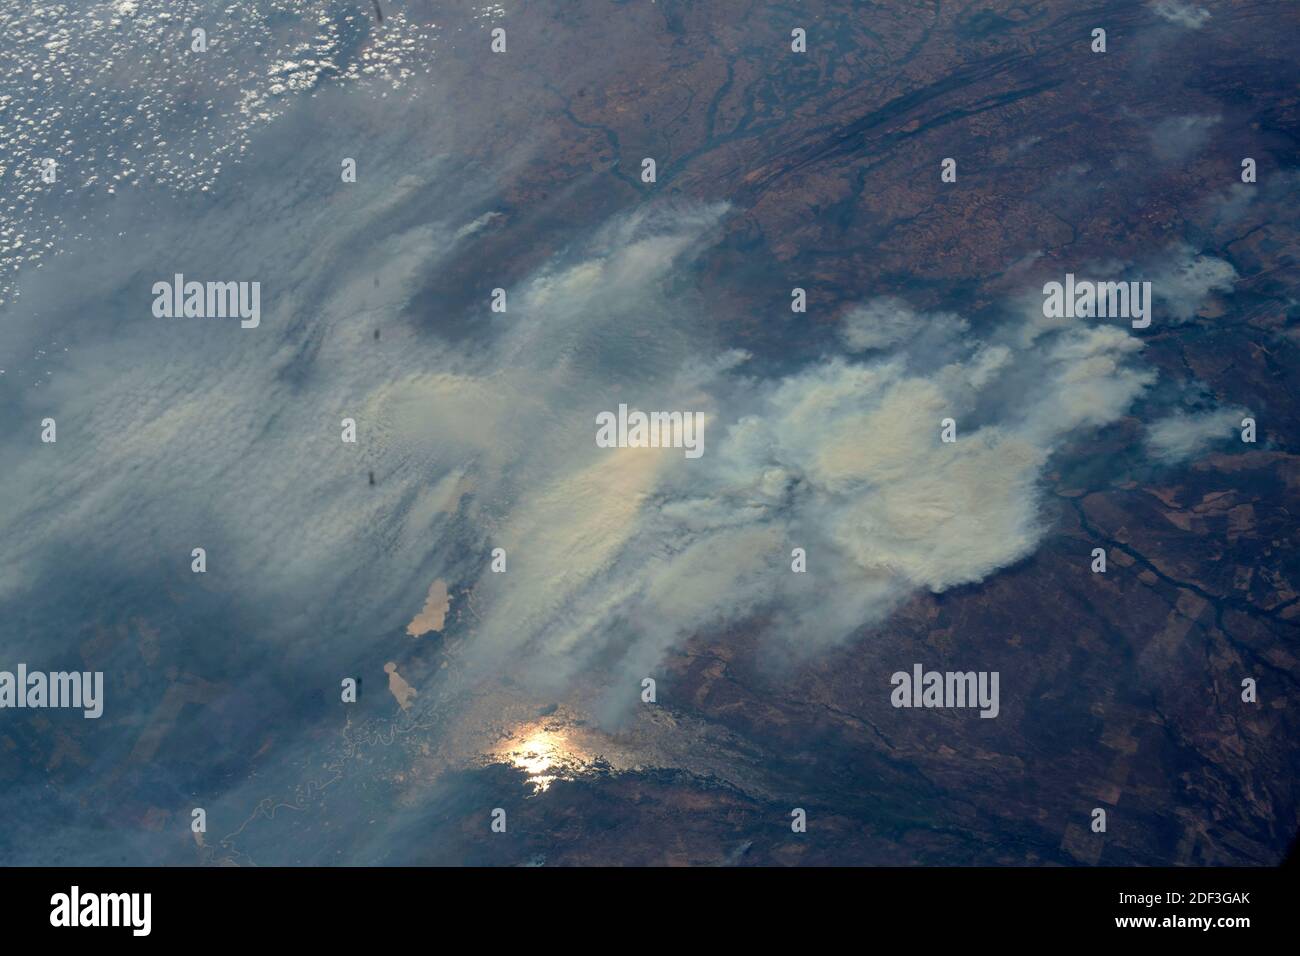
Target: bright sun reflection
column 543, row 753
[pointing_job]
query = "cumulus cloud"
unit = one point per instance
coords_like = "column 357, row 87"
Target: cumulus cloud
column 888, row 321
column 624, row 553
column 1182, row 435
column 1185, row 278
column 1182, row 280
column 1184, row 14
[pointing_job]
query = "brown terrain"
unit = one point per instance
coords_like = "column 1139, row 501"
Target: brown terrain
column 1120, row 691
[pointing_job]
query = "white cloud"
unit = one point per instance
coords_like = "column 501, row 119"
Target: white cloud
column 1185, row 279
column 884, row 322
column 180, row 435
column 628, row 552
column 1181, row 436
column 1184, row 14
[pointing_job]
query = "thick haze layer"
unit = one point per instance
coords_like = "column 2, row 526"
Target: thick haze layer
column 478, row 427
column 177, row 433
